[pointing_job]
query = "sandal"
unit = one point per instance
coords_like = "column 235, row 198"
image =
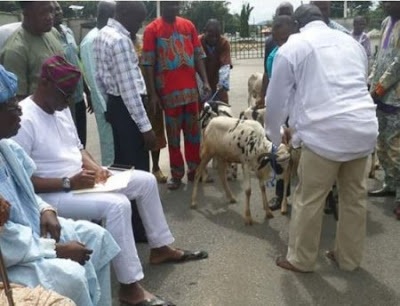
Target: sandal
column 186, row 256
column 161, row 177
column 174, row 184
column 283, row 263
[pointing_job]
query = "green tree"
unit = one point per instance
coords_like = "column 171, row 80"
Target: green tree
column 9, row 6
column 200, row 11
column 354, row 8
column 244, row 19
column 376, row 16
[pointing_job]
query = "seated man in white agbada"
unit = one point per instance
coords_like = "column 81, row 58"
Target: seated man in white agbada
column 48, row 135
column 69, row 257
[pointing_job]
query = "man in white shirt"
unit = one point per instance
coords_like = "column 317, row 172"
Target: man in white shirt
column 333, row 118
column 49, row 137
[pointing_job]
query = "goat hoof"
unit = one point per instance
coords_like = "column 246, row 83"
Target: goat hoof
column 284, row 213
column 248, row 221
column 371, row 176
column 193, row 206
column 269, row 215
column 232, row 201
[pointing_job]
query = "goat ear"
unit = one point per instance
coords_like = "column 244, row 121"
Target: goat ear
column 263, row 161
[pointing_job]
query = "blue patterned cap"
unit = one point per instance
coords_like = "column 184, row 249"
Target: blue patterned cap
column 8, row 85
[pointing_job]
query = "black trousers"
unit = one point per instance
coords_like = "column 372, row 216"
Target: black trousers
column 128, row 140
column 78, row 112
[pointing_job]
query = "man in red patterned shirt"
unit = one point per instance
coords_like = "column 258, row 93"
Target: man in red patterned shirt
column 172, row 55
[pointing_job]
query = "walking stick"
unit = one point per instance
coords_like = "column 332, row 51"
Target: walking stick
column 4, row 277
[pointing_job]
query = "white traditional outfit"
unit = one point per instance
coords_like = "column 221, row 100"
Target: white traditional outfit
column 52, row 142
column 31, row 260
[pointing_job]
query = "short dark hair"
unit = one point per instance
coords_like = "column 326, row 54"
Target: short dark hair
column 25, row 4
column 282, row 21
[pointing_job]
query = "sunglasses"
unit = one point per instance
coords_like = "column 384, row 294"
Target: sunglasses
column 67, row 96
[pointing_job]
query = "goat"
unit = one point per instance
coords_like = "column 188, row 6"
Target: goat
column 374, row 165
column 254, row 85
column 253, row 113
column 240, row 141
column 211, row 110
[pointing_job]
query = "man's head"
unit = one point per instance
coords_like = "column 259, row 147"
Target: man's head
column 285, row 8
column 392, row 8
column 105, row 10
column 38, row 16
column 58, row 80
column 359, row 25
column 325, row 8
column 282, row 27
column 131, row 15
column 10, row 112
column 58, row 14
column 212, row 32
column 169, row 10
column 307, row 13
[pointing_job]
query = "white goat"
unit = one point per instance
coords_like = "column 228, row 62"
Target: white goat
column 240, row 141
column 211, row 110
column 254, row 85
column 253, row 113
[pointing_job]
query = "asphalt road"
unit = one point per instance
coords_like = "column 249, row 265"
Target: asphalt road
column 241, row 269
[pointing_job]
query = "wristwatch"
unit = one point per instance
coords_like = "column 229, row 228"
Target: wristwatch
column 66, row 184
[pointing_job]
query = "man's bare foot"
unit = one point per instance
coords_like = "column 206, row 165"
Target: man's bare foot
column 133, row 293
column 167, row 254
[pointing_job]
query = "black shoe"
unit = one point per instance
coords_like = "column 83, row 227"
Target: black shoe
column 275, row 204
column 383, row 192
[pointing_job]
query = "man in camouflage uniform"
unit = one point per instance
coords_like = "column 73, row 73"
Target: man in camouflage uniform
column 385, row 89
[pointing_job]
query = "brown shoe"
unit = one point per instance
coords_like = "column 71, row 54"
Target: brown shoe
column 283, row 263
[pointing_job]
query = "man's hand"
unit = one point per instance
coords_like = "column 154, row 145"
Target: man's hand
column 287, row 136
column 4, row 211
column 207, row 90
column 49, row 225
column 150, row 140
column 102, row 175
column 73, row 250
column 84, row 179
column 153, row 103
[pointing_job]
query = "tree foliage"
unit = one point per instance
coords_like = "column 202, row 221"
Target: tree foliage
column 200, row 11
column 354, row 8
column 244, row 19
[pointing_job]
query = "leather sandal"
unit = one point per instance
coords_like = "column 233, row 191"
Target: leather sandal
column 174, row 184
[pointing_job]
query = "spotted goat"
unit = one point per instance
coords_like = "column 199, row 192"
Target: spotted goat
column 232, row 140
column 211, row 110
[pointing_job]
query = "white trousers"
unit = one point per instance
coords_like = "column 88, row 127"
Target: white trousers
column 115, row 209
column 316, row 177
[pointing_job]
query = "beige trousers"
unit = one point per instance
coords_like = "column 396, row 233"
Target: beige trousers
column 316, row 177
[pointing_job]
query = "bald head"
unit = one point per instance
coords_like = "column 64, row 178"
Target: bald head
column 307, row 13
column 105, row 10
column 130, row 14
column 212, row 32
column 285, row 8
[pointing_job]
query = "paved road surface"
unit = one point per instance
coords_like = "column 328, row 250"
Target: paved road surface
column 240, row 270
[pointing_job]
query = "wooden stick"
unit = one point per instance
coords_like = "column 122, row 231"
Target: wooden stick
column 4, row 277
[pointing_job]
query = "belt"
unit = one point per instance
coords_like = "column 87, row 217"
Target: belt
column 386, row 108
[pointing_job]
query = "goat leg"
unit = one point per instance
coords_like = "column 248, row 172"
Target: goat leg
column 268, row 212
column 199, row 173
column 222, row 176
column 247, row 213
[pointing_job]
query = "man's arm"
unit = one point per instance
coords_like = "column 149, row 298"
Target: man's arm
column 126, row 64
column 279, row 93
